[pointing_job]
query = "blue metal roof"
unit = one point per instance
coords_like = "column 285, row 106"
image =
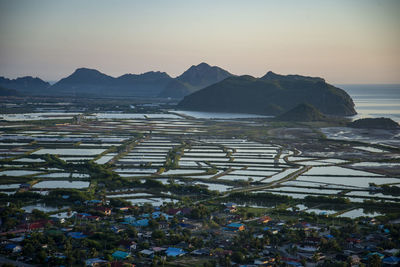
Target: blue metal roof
column 173, row 252
column 235, row 225
column 76, row 235
column 120, row 254
column 142, row 223
column 391, row 260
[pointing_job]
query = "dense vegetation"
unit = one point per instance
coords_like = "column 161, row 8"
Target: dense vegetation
column 302, row 112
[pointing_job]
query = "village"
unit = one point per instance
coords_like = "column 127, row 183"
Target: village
column 107, row 234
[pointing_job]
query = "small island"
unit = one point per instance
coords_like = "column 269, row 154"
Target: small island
column 375, row 123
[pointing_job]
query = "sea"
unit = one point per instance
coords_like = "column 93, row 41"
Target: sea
column 375, row 100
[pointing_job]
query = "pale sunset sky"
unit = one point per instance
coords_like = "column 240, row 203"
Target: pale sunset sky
column 343, row 41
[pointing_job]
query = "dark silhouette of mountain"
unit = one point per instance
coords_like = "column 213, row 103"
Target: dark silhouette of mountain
column 92, row 82
column 193, row 79
column 176, row 89
column 203, row 75
column 26, row 85
column 375, row 123
column 270, row 95
column 147, row 84
column 8, row 92
column 302, row 112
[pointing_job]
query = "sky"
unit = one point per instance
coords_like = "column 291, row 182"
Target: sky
column 343, row 41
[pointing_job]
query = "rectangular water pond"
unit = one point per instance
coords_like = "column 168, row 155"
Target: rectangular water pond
column 69, row 151
column 65, row 175
column 62, row 184
column 349, row 181
column 183, row 171
column 18, row 173
column 338, row 171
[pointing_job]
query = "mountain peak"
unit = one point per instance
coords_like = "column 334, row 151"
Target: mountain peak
column 84, row 69
column 87, row 71
column 200, row 67
column 203, row 65
column 271, row 75
column 203, row 75
column 195, row 78
column 291, row 77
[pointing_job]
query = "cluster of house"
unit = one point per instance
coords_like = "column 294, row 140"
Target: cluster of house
column 357, row 248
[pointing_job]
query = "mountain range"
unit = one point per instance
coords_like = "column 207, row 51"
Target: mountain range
column 201, row 87
column 25, row 85
column 91, row 82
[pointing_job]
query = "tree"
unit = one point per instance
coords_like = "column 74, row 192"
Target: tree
column 93, row 253
column 238, row 256
column 250, row 215
column 131, row 231
column 153, row 224
column 315, row 257
column 41, row 256
column 38, row 214
column 158, row 234
column 374, row 261
column 28, row 250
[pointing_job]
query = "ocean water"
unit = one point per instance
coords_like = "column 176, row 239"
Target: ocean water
column 375, row 100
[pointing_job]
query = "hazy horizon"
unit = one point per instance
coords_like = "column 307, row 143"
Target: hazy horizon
column 345, row 42
column 173, row 76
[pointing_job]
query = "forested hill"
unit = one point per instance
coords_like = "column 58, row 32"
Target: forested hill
column 271, row 94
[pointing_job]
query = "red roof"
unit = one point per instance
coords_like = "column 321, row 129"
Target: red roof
column 173, row 211
column 37, row 225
